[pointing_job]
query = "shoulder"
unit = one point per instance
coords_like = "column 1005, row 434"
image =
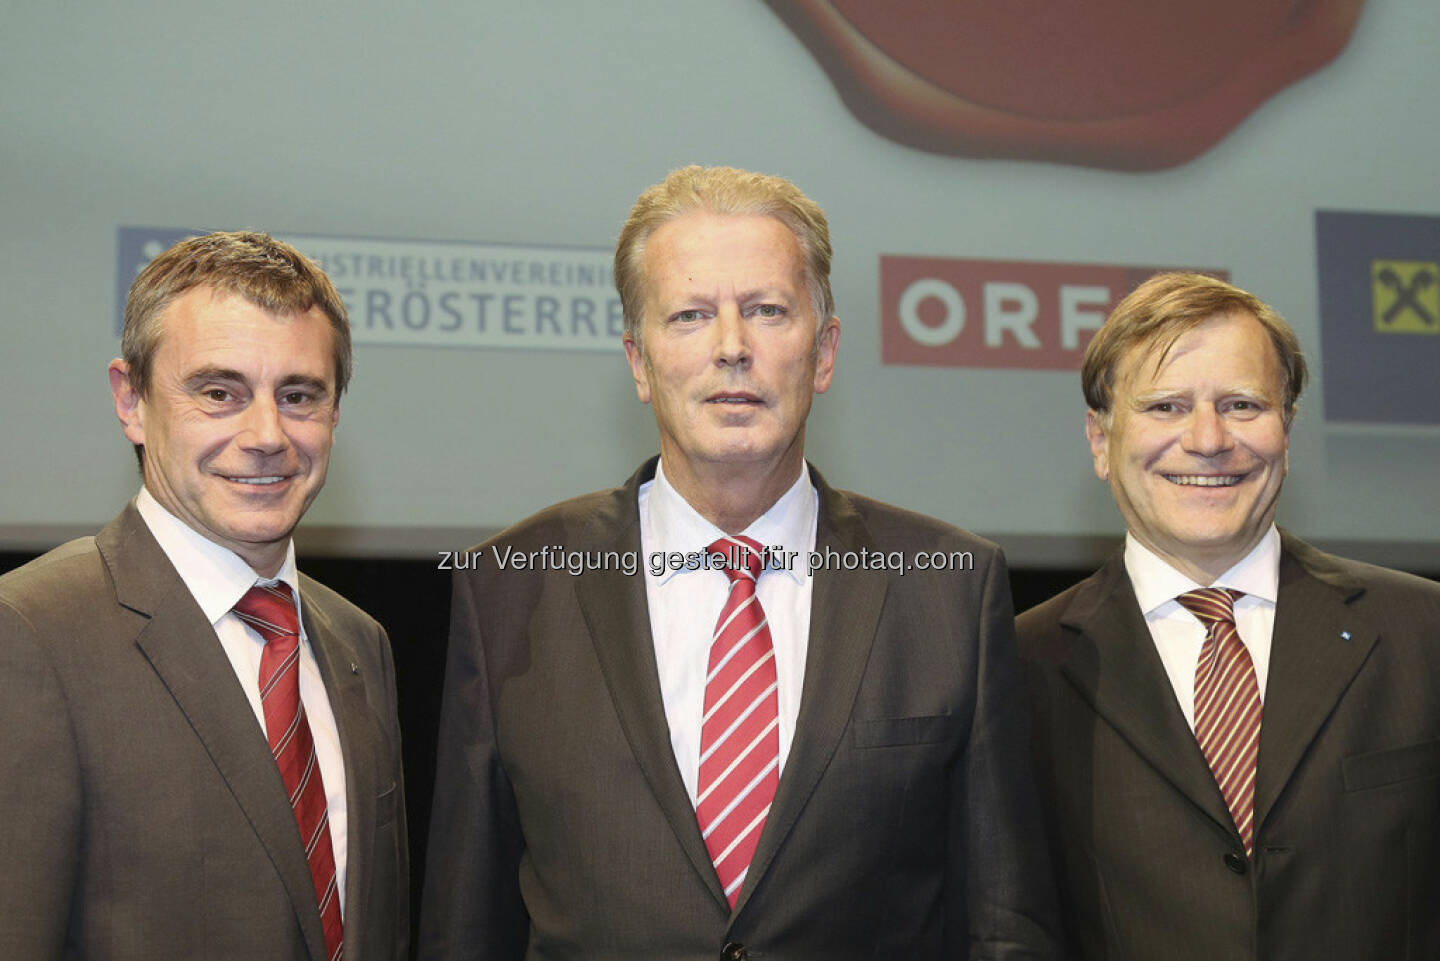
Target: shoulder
column 51, row 585
column 1354, row 577
column 578, row 523
column 1039, row 631
column 895, row 528
column 341, row 612
column 597, row 531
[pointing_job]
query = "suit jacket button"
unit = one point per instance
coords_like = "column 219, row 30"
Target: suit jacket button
column 733, row 952
column 1236, row 863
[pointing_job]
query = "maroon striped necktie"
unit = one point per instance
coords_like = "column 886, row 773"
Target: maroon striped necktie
column 271, row 611
column 739, row 733
column 1227, row 705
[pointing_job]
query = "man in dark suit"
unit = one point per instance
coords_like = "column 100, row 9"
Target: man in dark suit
column 1238, row 736
column 178, row 706
column 710, row 714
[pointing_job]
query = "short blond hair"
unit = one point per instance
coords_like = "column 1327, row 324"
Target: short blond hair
column 726, row 191
column 1164, row 308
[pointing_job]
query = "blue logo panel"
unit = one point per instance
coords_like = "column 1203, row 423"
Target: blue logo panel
column 1379, row 317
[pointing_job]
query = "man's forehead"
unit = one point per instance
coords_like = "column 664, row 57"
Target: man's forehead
column 686, row 249
column 216, row 324
column 1149, row 359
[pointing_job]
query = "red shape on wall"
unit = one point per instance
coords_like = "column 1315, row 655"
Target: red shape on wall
column 1120, row 84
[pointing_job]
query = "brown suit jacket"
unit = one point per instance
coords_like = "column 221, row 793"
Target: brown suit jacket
column 1347, row 796
column 904, row 826
column 141, row 813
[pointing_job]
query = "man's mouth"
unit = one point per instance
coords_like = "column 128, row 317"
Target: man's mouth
column 257, row 481
column 1204, row 480
column 739, row 397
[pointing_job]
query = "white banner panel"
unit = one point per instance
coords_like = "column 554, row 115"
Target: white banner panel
column 429, row 293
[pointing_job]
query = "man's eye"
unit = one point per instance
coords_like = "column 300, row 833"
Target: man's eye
column 1162, row 407
column 295, row 397
column 687, row 316
column 216, row 394
column 770, row 310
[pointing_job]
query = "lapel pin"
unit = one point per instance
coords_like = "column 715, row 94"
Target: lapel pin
column 355, row 668
column 1344, row 635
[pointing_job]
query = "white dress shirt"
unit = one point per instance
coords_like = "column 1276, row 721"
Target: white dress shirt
column 685, row 604
column 1178, row 634
column 217, row 578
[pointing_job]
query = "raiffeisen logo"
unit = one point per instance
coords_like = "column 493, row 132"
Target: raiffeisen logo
column 946, row 312
column 1406, row 296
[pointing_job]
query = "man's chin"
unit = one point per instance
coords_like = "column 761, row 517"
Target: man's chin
column 259, row 533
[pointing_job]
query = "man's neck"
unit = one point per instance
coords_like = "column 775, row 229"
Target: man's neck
column 732, row 497
column 1203, row 569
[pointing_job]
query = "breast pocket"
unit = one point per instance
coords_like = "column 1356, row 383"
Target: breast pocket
column 901, row 731
column 1379, row 768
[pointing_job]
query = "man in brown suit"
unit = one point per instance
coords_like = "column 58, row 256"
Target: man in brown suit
column 164, row 742
column 1238, row 736
column 658, row 744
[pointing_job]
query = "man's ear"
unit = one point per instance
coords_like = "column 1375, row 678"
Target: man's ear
column 636, row 357
column 129, row 406
column 825, row 348
column 1096, row 433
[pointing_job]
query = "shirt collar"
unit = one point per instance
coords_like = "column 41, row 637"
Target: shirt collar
column 789, row 524
column 1257, row 574
column 216, row 576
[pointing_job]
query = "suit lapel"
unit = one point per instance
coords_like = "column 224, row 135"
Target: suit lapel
column 1114, row 666
column 334, row 653
column 1317, row 646
column 186, row 655
column 844, row 613
column 615, row 610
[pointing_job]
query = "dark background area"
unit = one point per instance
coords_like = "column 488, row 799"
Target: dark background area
column 412, row 600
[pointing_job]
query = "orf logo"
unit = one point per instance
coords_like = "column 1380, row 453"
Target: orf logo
column 1105, row 83
column 1406, row 296
column 946, row 312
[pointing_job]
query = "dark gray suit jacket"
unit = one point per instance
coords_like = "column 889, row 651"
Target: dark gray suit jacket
column 1347, row 794
column 904, row 826
column 141, row 813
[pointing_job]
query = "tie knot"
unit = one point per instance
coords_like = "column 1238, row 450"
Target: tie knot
column 270, row 610
column 740, row 557
column 1213, row 605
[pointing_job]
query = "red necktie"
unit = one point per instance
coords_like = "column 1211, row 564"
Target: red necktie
column 739, row 734
column 1227, row 705
column 271, row 611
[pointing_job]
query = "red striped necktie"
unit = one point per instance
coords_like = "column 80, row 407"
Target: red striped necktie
column 1227, row 705
column 271, row 612
column 739, row 733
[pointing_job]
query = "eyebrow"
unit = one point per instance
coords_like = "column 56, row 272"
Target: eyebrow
column 1161, row 393
column 213, row 373
column 205, row 374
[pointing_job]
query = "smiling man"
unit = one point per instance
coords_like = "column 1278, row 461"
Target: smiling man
column 750, row 754
column 1238, row 736
column 199, row 750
